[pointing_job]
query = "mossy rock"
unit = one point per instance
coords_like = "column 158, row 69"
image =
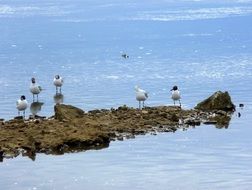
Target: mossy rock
column 218, row 101
column 67, row 112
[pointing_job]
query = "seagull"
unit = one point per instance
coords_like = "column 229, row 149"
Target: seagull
column 125, row 56
column 35, row 88
column 141, row 95
column 58, row 82
column 22, row 104
column 175, row 95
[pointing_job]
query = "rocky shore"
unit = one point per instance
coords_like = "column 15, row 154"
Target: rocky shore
column 71, row 129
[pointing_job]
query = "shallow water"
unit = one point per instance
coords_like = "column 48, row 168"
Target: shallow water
column 201, row 46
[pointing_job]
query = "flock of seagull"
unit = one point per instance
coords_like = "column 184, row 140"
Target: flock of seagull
column 35, row 89
column 142, row 95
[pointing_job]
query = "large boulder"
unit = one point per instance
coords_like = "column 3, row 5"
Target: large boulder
column 218, row 101
column 67, row 112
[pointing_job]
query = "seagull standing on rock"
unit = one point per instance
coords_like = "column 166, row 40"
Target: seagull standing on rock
column 22, row 104
column 175, row 95
column 35, row 88
column 141, row 95
column 58, row 82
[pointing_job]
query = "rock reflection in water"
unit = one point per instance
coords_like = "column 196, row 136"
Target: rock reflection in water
column 58, row 98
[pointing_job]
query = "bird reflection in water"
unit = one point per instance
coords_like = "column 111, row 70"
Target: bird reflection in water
column 35, row 108
column 58, row 98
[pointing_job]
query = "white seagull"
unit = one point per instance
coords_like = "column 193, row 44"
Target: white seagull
column 22, row 104
column 141, row 95
column 35, row 88
column 175, row 95
column 58, row 82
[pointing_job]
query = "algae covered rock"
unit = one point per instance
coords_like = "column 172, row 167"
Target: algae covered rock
column 67, row 112
column 218, row 101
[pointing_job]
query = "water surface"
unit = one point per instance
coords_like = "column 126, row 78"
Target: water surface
column 201, row 46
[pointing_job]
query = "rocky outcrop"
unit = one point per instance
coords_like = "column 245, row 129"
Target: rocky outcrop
column 218, row 101
column 71, row 129
column 67, row 112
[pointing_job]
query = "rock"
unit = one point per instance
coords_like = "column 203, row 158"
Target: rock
column 174, row 118
column 210, row 122
column 72, row 130
column 218, row 101
column 124, row 108
column 67, row 112
column 36, row 117
column 192, row 121
column 220, row 112
column 120, row 138
column 145, row 112
column 1, row 155
column 18, row 118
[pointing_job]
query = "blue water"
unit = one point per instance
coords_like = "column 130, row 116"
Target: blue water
column 201, row 46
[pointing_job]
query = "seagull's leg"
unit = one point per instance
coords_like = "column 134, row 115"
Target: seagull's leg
column 33, row 97
column 174, row 102
column 18, row 113
column 37, row 98
column 56, row 90
column 179, row 103
column 143, row 104
column 139, row 104
column 60, row 90
column 24, row 114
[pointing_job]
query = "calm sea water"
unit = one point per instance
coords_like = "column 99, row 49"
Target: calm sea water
column 201, row 46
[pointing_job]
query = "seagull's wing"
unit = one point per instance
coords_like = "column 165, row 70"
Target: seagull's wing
column 40, row 88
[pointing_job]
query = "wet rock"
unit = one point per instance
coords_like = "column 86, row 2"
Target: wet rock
column 220, row 112
column 239, row 114
column 96, row 111
column 218, row 101
column 241, row 105
column 145, row 112
column 130, row 136
column 124, row 108
column 18, row 118
column 67, row 112
column 1, row 155
column 173, row 128
column 174, row 118
column 210, row 122
column 192, row 121
column 120, row 138
column 222, row 121
column 36, row 117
